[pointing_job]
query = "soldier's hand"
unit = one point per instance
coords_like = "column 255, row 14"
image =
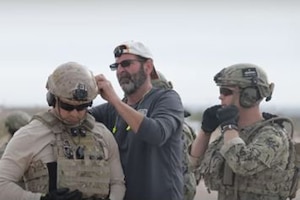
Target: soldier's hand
column 209, row 119
column 228, row 115
column 63, row 194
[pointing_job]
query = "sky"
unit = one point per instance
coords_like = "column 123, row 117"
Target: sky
column 190, row 40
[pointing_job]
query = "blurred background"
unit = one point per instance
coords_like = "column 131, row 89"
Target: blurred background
column 190, row 40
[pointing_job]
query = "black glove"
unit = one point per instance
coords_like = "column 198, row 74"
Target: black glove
column 228, row 115
column 209, row 119
column 267, row 116
column 63, row 194
column 96, row 198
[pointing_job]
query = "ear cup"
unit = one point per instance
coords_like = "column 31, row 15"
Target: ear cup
column 50, row 99
column 249, row 96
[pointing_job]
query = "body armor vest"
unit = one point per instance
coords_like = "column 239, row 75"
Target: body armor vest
column 81, row 160
column 268, row 182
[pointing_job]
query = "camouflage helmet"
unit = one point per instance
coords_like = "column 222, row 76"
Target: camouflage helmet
column 161, row 81
column 16, row 120
column 245, row 75
column 73, row 83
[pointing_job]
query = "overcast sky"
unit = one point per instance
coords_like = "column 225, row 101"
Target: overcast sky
column 191, row 41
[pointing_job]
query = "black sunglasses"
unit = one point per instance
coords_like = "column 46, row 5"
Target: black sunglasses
column 124, row 63
column 69, row 107
column 226, row 91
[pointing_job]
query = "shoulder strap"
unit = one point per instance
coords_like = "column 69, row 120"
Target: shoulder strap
column 89, row 122
column 48, row 119
column 51, row 121
column 279, row 121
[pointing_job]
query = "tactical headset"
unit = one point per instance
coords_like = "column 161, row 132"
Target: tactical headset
column 251, row 80
column 50, row 99
column 249, row 96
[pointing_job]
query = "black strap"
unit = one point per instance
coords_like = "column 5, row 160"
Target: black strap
column 52, row 171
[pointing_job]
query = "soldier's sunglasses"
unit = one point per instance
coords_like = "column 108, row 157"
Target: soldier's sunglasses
column 124, row 63
column 69, row 107
column 226, row 91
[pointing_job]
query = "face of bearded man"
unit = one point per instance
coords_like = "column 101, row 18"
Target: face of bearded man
column 131, row 82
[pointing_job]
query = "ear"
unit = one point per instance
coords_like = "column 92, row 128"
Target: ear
column 154, row 74
column 151, row 69
column 148, row 66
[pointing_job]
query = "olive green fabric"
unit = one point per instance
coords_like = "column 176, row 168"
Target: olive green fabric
column 16, row 120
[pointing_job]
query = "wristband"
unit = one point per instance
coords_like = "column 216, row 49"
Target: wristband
column 229, row 127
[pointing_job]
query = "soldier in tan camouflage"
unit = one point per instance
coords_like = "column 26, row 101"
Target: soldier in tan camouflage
column 250, row 160
column 63, row 154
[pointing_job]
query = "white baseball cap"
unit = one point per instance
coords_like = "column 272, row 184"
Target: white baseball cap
column 135, row 48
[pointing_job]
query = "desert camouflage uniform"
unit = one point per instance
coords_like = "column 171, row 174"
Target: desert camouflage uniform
column 37, row 145
column 51, row 152
column 259, row 163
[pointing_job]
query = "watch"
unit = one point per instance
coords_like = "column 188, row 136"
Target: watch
column 229, row 127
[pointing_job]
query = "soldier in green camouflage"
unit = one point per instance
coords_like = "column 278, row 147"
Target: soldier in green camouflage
column 188, row 137
column 250, row 160
column 16, row 120
column 13, row 122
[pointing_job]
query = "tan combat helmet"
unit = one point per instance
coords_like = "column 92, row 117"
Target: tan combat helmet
column 16, row 120
column 73, row 83
column 245, row 75
column 161, row 81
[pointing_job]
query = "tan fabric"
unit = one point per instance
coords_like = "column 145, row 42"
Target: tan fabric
column 35, row 143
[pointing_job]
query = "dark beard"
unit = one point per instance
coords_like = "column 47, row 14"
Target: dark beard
column 131, row 83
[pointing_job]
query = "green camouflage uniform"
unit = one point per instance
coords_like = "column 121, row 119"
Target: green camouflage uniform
column 259, row 161
column 13, row 122
column 259, row 164
column 189, row 177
